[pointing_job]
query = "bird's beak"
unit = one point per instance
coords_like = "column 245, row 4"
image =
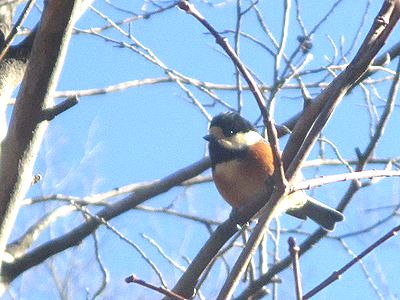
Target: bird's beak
column 209, row 137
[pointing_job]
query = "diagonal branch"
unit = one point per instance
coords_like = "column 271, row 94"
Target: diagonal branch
column 316, row 182
column 134, row 279
column 18, row 248
column 15, row 29
column 330, row 97
column 337, row 274
column 76, row 235
column 50, row 113
column 294, row 253
column 314, row 118
column 271, row 130
column 278, row 176
column 318, row 113
column 354, row 187
column 21, row 145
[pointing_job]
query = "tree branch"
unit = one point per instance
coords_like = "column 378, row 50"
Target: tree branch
column 337, row 274
column 162, row 290
column 278, row 176
column 18, row 247
column 319, row 234
column 12, row 69
column 316, row 182
column 50, row 113
column 75, row 236
column 21, row 145
column 298, row 152
column 315, row 117
column 294, row 253
column 15, row 28
column 317, row 114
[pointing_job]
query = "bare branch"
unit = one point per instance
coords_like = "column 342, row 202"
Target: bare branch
column 162, row 253
column 365, row 156
column 136, row 17
column 337, row 162
column 89, row 216
column 337, row 274
column 113, row 88
column 50, row 113
column 76, row 235
column 315, row 182
column 21, row 145
column 294, row 253
column 272, row 134
column 204, row 221
column 103, row 269
column 19, row 247
column 279, row 176
column 365, row 271
column 317, row 114
column 325, row 103
column 15, row 29
column 162, row 290
column 186, row 284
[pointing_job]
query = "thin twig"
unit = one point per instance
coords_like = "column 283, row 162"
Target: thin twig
column 77, row 234
column 336, row 162
column 276, row 240
column 160, row 289
column 162, row 252
column 279, row 176
column 370, row 227
column 320, row 111
column 50, row 113
column 337, row 274
column 104, row 272
column 315, row 28
column 19, row 247
column 284, row 35
column 239, row 16
column 365, row 156
column 364, row 269
column 311, row 183
column 317, row 114
column 337, row 153
column 135, row 17
column 272, row 135
column 15, row 28
column 119, row 234
column 150, row 56
column 294, row 253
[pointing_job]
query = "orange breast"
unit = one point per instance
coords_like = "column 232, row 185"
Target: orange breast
column 243, row 180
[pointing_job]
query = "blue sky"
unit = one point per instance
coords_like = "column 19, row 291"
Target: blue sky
column 146, row 133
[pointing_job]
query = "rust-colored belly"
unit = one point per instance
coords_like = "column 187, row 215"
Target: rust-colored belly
column 243, row 180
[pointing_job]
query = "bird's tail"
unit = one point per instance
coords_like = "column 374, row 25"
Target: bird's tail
column 319, row 213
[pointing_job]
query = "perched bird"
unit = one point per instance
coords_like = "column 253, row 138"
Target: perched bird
column 242, row 163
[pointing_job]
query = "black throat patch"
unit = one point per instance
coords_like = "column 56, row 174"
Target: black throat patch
column 220, row 154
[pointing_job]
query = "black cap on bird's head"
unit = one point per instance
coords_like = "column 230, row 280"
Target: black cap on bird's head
column 230, row 135
column 230, row 123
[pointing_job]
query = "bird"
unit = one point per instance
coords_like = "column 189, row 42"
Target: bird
column 242, row 164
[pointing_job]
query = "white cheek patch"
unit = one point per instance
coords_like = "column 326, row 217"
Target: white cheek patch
column 241, row 140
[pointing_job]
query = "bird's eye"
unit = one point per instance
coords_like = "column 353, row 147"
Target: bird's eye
column 228, row 132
